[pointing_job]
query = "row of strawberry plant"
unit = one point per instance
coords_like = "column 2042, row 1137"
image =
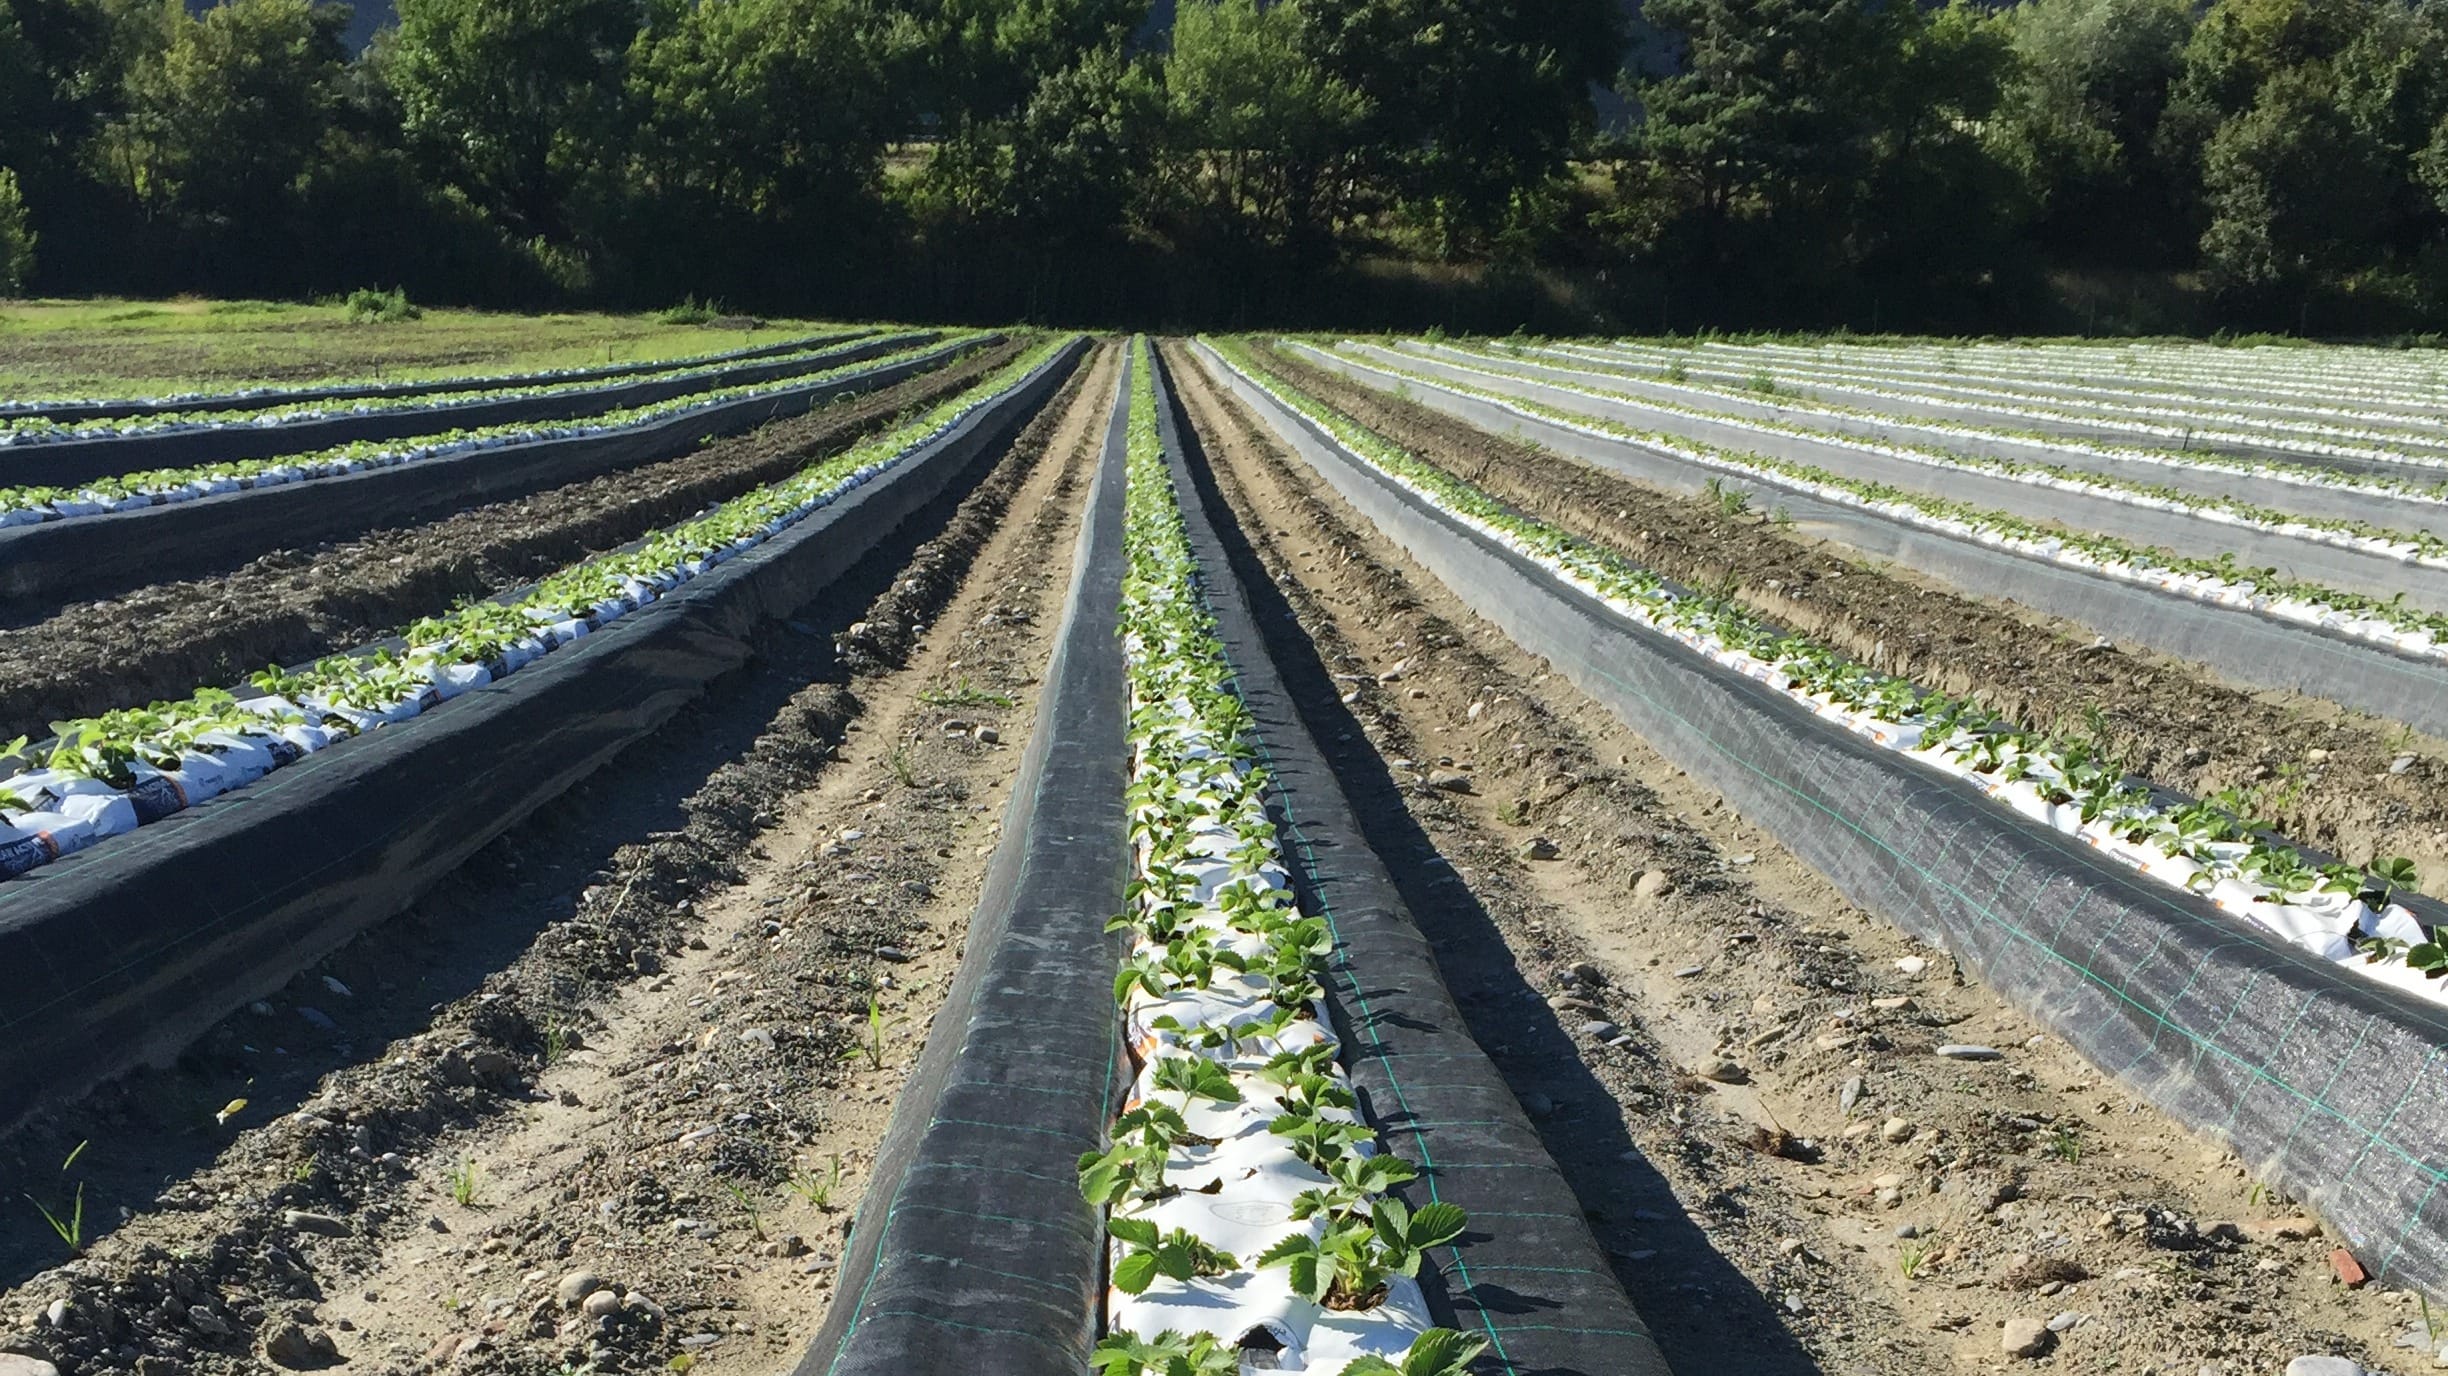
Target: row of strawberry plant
column 2222, row 581
column 2311, row 438
column 209, row 401
column 106, row 775
column 1246, row 1199
column 30, row 505
column 2194, row 415
column 2215, row 847
column 2346, row 378
column 1668, row 378
column 27, row 430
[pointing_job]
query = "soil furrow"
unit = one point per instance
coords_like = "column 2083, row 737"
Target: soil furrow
column 2327, row 778
column 289, row 606
column 1682, row 1006
column 648, row 1038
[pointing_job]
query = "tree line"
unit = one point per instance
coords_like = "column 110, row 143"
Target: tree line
column 1476, row 163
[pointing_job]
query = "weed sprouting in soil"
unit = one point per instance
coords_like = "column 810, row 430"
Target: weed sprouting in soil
column 466, row 1182
column 71, row 1227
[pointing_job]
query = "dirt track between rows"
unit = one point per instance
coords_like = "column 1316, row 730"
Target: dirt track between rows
column 2030, row 1187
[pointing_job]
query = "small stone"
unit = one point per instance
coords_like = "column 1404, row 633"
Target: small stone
column 1849, row 1095
column 1794, row 1304
column 956, row 727
column 300, row 1221
column 293, row 1344
column 338, row 988
column 2059, row 1323
column 987, row 735
column 19, row 1364
column 2350, row 1272
column 2324, row 1366
column 1900, row 1004
column 2026, row 1338
column 1450, row 781
column 1963, row 1051
column 893, row 954
column 1896, row 1129
column 1600, row 1029
column 1912, row 965
column 491, row 1064
column 1689, row 970
column 1538, row 1105
column 1723, row 1071
column 206, row 1321
column 757, row 1037
column 1588, row 973
column 602, row 1304
column 1652, row 883
column 1908, row 1231
column 576, row 1286
column 1539, row 848
column 2401, row 764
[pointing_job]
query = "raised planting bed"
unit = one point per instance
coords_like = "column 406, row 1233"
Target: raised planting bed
column 2368, row 655
column 208, row 850
column 2396, row 447
column 2404, row 504
column 69, row 412
column 129, row 454
column 2324, row 1075
column 2351, row 557
column 226, row 521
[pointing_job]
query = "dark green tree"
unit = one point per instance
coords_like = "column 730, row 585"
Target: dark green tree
column 521, row 104
column 2079, row 125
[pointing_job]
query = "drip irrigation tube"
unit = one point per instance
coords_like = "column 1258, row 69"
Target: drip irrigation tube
column 2330, row 1086
column 93, row 556
column 2242, row 645
column 973, row 1250
column 2336, row 566
column 2206, row 479
column 126, row 953
column 69, row 412
column 1528, row 1276
column 65, row 463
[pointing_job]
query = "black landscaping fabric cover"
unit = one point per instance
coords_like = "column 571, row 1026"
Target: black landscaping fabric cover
column 2328, row 1085
column 125, row 953
column 93, row 556
column 2242, row 645
column 64, row 463
column 1528, row 1276
column 973, row 1250
column 70, row 411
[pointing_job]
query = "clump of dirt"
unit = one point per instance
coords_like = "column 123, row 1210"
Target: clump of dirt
column 1727, row 1059
column 638, row 1133
column 289, row 606
column 2348, row 785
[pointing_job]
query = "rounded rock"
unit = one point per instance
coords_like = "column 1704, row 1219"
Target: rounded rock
column 576, row 1286
column 2324, row 1366
column 2026, row 1338
column 602, row 1304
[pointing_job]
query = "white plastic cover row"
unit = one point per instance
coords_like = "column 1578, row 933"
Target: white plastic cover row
column 1238, row 1194
column 2408, row 637
column 344, row 459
